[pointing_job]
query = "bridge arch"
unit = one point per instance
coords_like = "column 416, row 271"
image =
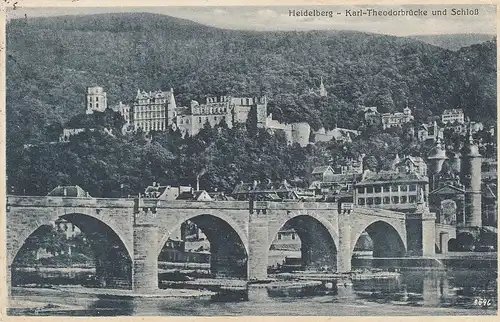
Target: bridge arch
column 318, row 237
column 388, row 240
column 108, row 246
column 228, row 242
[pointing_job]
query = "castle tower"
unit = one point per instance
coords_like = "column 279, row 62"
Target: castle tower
column 261, row 112
column 322, row 89
column 471, row 178
column 435, row 161
column 96, row 100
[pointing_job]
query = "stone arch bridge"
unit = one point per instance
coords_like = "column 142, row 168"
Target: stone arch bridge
column 240, row 232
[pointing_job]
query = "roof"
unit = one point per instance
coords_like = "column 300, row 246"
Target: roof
column 447, row 189
column 321, row 169
column 391, row 177
column 195, row 195
column 262, row 187
column 154, row 95
column 453, row 111
column 68, row 191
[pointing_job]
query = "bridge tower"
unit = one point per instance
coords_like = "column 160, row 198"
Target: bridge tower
column 435, row 161
column 471, row 178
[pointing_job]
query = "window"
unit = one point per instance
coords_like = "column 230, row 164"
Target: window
column 361, row 201
column 404, row 187
column 378, row 189
column 403, row 199
column 395, row 199
column 199, row 119
column 387, row 188
column 96, row 105
column 97, row 99
column 378, row 200
column 387, row 200
column 394, row 188
column 412, row 199
column 369, row 201
column 369, row 189
column 279, row 236
column 293, row 236
column 413, row 187
column 361, row 189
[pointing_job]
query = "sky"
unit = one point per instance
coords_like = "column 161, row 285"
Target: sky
column 282, row 18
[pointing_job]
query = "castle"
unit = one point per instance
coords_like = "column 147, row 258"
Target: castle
column 158, row 111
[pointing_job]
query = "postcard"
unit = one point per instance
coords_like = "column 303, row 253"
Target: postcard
column 251, row 160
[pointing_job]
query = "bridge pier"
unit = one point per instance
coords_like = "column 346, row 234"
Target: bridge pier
column 145, row 261
column 258, row 247
column 344, row 254
column 345, row 288
column 428, row 234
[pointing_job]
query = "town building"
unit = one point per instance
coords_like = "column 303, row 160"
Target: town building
column 396, row 119
column 430, row 131
column 272, row 191
column 400, row 189
column 336, row 186
column 371, row 115
column 452, row 116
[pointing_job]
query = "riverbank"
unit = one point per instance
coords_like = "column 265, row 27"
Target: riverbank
column 310, row 306
column 67, row 290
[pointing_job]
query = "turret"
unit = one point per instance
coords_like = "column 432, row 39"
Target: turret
column 471, row 178
column 435, row 161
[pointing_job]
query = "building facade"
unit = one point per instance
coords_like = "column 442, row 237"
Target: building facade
column 96, row 100
column 452, row 116
column 396, row 119
column 153, row 111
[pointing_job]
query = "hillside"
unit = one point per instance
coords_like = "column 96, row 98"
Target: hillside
column 454, row 41
column 50, row 62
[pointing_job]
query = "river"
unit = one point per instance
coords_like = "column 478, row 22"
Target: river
column 452, row 292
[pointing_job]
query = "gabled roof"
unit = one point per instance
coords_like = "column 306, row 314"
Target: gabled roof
column 447, row 189
column 68, row 191
column 391, row 177
column 262, row 187
column 195, row 195
column 321, row 169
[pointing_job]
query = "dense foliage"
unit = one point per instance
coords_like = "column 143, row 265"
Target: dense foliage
column 124, row 52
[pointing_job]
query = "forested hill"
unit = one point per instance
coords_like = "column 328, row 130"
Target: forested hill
column 50, row 62
column 454, row 41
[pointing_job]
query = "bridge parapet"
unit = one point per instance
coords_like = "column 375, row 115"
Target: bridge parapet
column 382, row 213
column 187, row 204
column 50, row 201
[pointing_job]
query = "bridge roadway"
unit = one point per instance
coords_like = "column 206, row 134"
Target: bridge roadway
column 240, row 233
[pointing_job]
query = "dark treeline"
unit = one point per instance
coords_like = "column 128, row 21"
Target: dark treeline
column 124, row 52
column 114, row 166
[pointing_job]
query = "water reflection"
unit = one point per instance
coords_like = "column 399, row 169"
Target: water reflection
column 456, row 289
